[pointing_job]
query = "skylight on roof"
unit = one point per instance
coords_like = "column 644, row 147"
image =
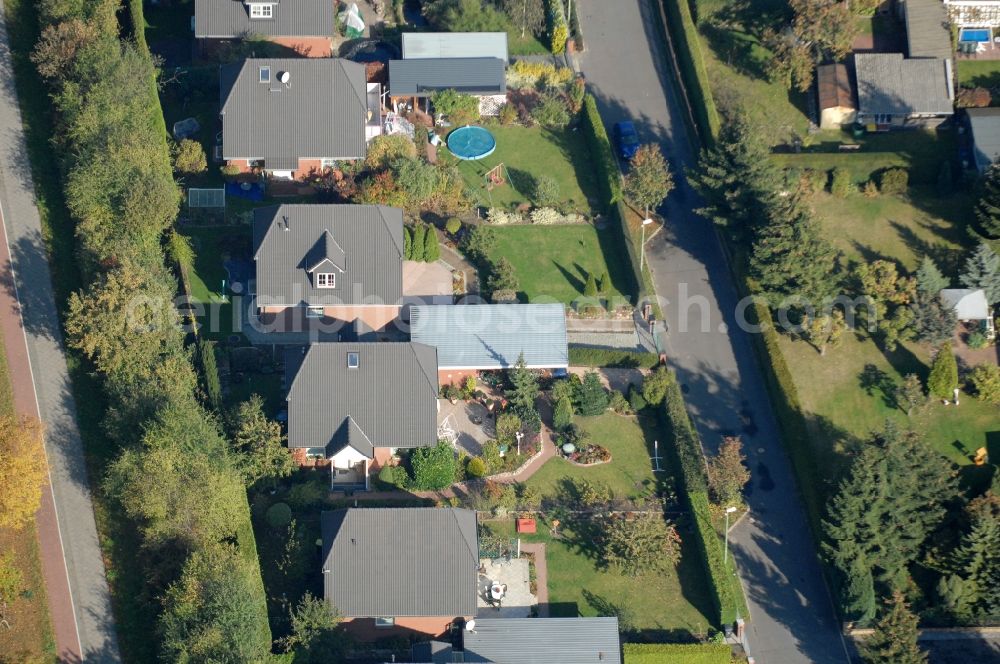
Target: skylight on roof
column 352, row 361
column 265, row 74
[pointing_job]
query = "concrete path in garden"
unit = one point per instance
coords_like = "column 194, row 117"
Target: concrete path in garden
column 791, row 613
column 72, row 564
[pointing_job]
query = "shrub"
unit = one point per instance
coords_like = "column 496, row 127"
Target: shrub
column 508, row 115
column 418, row 240
column 562, row 415
column 619, row 403
column 593, row 398
column 307, row 494
column 476, row 467
column 841, row 184
column 394, row 476
column 551, row 113
column 190, row 157
column 977, row 340
column 985, row 378
column 677, row 653
column 500, row 217
column 387, row 148
column 654, row 385
column 894, row 181
column 229, row 171
column 546, row 216
column 687, row 45
column 278, row 515
column 418, row 180
column 635, row 398
column 576, row 93
column 460, row 109
column 210, row 373
column 432, row 250
column 545, row 191
column 433, row 467
column 870, row 189
column 532, row 74
column 973, row 98
column 943, row 378
column 453, row 225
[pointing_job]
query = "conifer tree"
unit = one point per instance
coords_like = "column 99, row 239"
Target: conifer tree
column 929, row 277
column 407, row 243
column 590, row 289
column 895, row 637
column 432, row 250
column 525, row 390
column 944, row 373
column 976, row 561
column 982, row 270
column 987, row 208
column 933, row 323
column 417, row 242
column 593, row 398
column 562, row 415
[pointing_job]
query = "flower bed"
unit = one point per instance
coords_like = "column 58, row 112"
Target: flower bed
column 590, row 455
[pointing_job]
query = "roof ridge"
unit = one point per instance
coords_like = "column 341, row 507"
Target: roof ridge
column 458, row 524
column 305, row 357
column 413, row 349
column 360, row 94
column 385, row 223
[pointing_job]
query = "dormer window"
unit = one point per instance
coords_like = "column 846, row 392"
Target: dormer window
column 261, row 10
column 326, row 280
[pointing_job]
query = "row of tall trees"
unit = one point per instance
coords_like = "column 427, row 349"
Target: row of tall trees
column 179, row 475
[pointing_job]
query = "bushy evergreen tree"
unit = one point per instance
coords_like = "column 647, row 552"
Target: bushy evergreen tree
column 895, row 637
column 432, row 250
column 944, row 373
column 982, row 270
column 929, row 277
column 525, row 390
column 562, row 415
column 987, row 209
column 933, row 323
column 417, row 241
column 593, row 398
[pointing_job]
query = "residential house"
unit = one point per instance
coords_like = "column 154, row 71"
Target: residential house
column 352, row 405
column 396, row 572
column 437, row 45
column 896, row 92
column 332, row 264
column 411, row 81
column 928, row 34
column 837, row 104
column 304, row 26
column 984, row 128
column 970, row 306
column 529, row 641
column 476, row 337
column 290, row 117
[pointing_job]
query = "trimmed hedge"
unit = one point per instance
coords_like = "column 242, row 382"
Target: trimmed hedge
column 687, row 48
column 864, row 166
column 611, row 188
column 685, row 450
column 558, row 30
column 581, row 356
column 677, row 653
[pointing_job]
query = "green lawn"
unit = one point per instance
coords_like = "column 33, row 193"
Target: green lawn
column 848, row 393
column 982, row 73
column 211, row 246
column 528, row 153
column 630, row 441
column 554, row 261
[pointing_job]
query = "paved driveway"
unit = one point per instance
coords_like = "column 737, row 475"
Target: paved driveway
column 792, row 617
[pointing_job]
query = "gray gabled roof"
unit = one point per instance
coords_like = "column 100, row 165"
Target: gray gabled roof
column 361, row 244
column 492, row 336
column 543, row 641
column 985, row 126
column 419, row 45
column 389, row 400
column 927, row 29
column 396, row 562
column 319, row 113
column 224, row 19
column 890, row 84
column 968, row 303
column 423, row 77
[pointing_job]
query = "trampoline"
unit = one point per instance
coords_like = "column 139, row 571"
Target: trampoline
column 471, row 143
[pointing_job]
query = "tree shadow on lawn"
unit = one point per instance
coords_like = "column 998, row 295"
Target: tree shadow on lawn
column 873, row 380
column 612, row 243
column 576, row 151
column 571, row 278
column 736, row 50
column 947, row 258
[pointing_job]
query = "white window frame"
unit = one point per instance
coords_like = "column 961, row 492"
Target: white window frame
column 264, row 74
column 384, row 622
column 314, row 312
column 328, row 162
column 315, row 452
column 261, row 10
column 353, row 355
column 326, row 280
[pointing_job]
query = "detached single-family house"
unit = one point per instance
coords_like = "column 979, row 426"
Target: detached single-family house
column 984, row 127
column 290, row 117
column 477, row 337
column 305, row 26
column 970, row 306
column 332, row 264
column 352, row 405
column 895, row 92
column 411, row 81
column 529, row 641
column 837, row 104
column 395, row 572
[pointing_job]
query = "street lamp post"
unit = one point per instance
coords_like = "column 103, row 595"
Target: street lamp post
column 519, row 436
column 642, row 244
column 725, row 554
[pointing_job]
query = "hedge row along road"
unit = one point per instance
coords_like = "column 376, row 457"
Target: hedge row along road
column 791, row 616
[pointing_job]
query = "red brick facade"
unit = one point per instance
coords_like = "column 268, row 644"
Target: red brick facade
column 364, row 629
column 293, row 319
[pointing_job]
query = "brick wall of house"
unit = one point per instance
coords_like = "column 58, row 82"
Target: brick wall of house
column 293, row 319
column 364, row 629
column 455, row 376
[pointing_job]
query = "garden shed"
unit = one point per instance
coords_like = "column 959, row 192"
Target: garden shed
column 837, row 104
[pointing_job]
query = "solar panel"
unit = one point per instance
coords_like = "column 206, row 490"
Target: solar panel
column 206, row 198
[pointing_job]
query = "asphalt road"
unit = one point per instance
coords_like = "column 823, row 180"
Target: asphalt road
column 31, row 286
column 791, row 614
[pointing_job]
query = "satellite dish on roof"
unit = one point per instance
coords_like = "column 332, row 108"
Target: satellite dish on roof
column 470, row 625
column 284, row 77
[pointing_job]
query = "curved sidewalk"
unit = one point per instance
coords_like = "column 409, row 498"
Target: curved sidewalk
column 72, row 563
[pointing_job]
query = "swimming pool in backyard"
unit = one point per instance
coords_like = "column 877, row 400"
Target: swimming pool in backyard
column 471, row 143
column 977, row 35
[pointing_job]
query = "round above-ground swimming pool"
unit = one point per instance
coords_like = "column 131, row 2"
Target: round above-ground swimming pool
column 471, row 143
